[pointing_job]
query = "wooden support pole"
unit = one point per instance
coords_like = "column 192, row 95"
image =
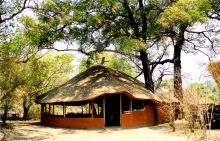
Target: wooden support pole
column 103, row 108
column 49, row 109
column 42, row 109
column 64, row 110
column 46, row 113
column 89, row 108
column 120, row 108
column 53, row 109
column 92, row 108
column 120, row 104
column 45, row 109
column 131, row 104
column 98, row 110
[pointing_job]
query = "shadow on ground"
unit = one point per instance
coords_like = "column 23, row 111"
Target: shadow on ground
column 20, row 136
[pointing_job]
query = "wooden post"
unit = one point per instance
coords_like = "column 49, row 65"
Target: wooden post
column 92, row 108
column 130, row 104
column 64, row 110
column 53, row 109
column 49, row 108
column 42, row 109
column 46, row 109
column 103, row 108
column 120, row 108
column 98, row 110
column 89, row 107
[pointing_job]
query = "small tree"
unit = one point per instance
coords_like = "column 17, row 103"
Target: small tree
column 43, row 74
column 9, row 81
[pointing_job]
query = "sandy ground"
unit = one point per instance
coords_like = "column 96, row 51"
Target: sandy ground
column 33, row 131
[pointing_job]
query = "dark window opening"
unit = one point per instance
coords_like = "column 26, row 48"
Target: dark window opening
column 125, row 104
column 98, row 107
column 137, row 105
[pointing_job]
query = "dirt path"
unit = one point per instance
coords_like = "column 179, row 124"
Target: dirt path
column 33, row 131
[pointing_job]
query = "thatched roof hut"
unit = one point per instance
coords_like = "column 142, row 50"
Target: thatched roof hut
column 214, row 69
column 106, row 97
column 95, row 82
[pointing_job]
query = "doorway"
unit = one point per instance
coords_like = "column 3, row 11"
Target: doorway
column 112, row 110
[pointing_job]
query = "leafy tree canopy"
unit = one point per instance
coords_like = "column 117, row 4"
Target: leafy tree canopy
column 107, row 59
column 208, row 89
column 185, row 12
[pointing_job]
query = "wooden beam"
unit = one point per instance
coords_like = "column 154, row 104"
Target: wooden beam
column 103, row 106
column 131, row 104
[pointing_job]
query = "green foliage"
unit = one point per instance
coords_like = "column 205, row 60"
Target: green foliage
column 90, row 23
column 167, row 84
column 110, row 60
column 98, row 24
column 59, row 67
column 128, row 45
column 23, row 67
column 43, row 74
column 34, row 112
column 185, row 12
column 9, row 81
column 207, row 89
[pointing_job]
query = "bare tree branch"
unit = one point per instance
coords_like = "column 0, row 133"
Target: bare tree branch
column 14, row 14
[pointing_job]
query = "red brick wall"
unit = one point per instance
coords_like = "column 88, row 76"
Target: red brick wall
column 74, row 122
column 138, row 118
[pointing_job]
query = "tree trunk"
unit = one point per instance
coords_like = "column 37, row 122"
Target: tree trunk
column 149, row 84
column 5, row 115
column 6, row 108
column 26, row 108
column 178, row 89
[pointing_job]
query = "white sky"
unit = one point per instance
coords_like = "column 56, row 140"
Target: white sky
column 194, row 68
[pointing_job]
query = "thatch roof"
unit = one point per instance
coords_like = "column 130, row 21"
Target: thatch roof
column 95, row 82
column 214, row 69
